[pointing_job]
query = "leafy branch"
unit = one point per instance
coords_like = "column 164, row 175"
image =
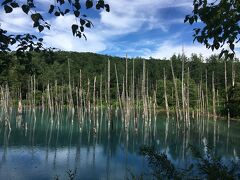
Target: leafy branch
column 220, row 20
column 59, row 8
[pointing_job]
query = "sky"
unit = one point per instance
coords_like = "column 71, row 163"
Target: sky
column 139, row 28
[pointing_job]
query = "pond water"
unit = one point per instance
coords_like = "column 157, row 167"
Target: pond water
column 41, row 146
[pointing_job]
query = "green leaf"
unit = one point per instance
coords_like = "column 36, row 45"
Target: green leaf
column 62, row 13
column 191, row 20
column 89, row 4
column 232, row 46
column 195, row 18
column 81, row 28
column 231, row 56
column 79, row 34
column 74, row 28
column 57, row 13
column 40, row 28
column 107, row 7
column 77, row 5
column 47, row 26
column 197, row 31
column 13, row 41
column 36, row 24
column 88, row 25
column 82, row 21
column 212, row 47
column 98, row 6
column 51, row 9
column 14, row 4
column 216, row 45
column 200, row 39
column 66, row 11
column 25, row 8
column 61, row 2
column 221, row 54
column 36, row 17
column 77, row 13
column 101, row 3
column 8, row 9
column 30, row 4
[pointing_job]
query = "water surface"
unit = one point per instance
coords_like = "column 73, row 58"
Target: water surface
column 41, row 146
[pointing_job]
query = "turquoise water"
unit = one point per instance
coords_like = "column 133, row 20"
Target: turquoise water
column 41, row 146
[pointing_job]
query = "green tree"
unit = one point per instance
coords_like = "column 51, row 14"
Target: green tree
column 234, row 101
column 220, row 21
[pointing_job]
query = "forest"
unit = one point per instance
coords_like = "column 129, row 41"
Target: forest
column 64, row 69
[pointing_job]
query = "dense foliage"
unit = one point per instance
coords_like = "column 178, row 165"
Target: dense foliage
column 219, row 27
column 53, row 67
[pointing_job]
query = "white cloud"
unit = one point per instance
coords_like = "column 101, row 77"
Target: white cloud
column 129, row 16
column 65, row 41
column 125, row 17
column 60, row 36
column 169, row 47
column 16, row 22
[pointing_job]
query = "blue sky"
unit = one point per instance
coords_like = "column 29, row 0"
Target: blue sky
column 140, row 28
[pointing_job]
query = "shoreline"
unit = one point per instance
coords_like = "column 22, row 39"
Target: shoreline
column 162, row 110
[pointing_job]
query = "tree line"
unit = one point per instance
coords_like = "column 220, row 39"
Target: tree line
column 49, row 68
